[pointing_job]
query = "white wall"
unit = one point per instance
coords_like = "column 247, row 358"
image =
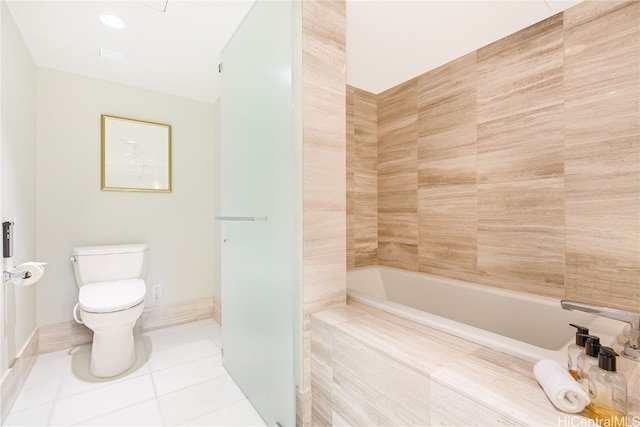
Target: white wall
column 73, row 211
column 17, row 182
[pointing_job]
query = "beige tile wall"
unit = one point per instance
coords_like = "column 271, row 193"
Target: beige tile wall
column 518, row 165
column 398, row 176
column 323, row 171
column 520, row 161
column 362, row 178
column 447, row 196
column 602, row 154
column 349, row 178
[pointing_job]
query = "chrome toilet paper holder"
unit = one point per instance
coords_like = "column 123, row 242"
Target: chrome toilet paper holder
column 8, row 275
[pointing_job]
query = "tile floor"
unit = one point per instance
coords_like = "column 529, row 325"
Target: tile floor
column 178, row 379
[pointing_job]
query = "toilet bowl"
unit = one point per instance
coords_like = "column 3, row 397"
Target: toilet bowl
column 110, row 301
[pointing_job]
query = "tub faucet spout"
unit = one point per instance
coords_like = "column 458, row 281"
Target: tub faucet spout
column 632, row 346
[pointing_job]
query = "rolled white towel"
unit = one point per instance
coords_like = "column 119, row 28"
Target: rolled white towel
column 560, row 387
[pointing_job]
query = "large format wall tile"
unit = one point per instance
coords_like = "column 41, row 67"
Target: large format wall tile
column 523, row 146
column 362, row 178
column 365, row 178
column 350, row 182
column 375, row 368
column 521, row 72
column 472, row 414
column 521, row 236
column 322, row 350
column 505, row 384
column 447, row 124
column 372, row 389
column 520, row 161
column 398, row 177
column 602, row 149
column 448, row 230
column 447, row 170
column 323, row 104
column 590, row 10
column 321, row 373
column 402, row 339
column 518, row 165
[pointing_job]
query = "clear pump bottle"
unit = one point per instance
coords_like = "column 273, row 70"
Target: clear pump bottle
column 574, row 350
column 588, row 359
column 608, row 391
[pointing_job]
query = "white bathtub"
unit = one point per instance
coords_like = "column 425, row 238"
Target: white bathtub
column 523, row 325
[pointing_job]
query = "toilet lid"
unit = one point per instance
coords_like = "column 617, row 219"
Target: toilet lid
column 104, row 297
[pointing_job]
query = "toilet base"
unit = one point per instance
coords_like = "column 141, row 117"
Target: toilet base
column 112, row 353
column 113, row 350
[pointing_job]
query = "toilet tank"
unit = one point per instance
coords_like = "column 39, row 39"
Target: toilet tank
column 93, row 264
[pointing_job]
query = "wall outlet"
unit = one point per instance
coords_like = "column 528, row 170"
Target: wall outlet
column 157, row 291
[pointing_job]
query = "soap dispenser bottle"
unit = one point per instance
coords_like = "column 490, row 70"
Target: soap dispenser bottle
column 588, row 359
column 608, row 391
column 574, row 350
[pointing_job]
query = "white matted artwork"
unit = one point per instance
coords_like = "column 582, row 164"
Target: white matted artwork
column 136, row 155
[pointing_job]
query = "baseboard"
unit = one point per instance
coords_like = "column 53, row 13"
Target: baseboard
column 65, row 335
column 162, row 316
column 217, row 310
column 15, row 377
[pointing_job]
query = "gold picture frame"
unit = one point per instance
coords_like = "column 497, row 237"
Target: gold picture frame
column 136, row 155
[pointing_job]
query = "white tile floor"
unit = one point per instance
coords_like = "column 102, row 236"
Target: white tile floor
column 178, row 379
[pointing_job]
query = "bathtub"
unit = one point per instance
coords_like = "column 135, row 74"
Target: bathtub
column 523, row 325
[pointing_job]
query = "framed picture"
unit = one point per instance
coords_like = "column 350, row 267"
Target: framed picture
column 136, row 155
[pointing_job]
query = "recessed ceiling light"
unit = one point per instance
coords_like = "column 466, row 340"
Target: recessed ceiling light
column 111, row 20
column 112, row 54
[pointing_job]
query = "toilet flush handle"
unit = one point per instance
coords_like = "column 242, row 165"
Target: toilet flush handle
column 75, row 314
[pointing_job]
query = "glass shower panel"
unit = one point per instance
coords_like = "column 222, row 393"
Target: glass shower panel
column 259, row 208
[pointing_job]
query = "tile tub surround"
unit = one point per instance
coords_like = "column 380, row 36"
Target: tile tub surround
column 526, row 326
column 323, row 172
column 518, row 165
column 373, row 368
column 362, row 178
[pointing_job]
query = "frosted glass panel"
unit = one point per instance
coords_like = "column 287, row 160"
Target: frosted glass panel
column 258, row 207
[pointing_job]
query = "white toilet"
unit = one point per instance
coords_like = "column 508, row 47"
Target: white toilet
column 111, row 299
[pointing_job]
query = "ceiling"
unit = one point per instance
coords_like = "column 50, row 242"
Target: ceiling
column 176, row 51
column 390, row 42
column 173, row 46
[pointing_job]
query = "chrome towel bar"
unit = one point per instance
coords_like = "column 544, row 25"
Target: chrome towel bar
column 241, row 218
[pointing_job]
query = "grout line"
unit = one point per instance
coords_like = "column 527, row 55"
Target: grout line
column 121, row 409
column 235, row 402
column 55, row 399
column 192, row 384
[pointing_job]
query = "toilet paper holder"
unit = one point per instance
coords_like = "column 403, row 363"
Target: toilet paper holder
column 8, row 275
